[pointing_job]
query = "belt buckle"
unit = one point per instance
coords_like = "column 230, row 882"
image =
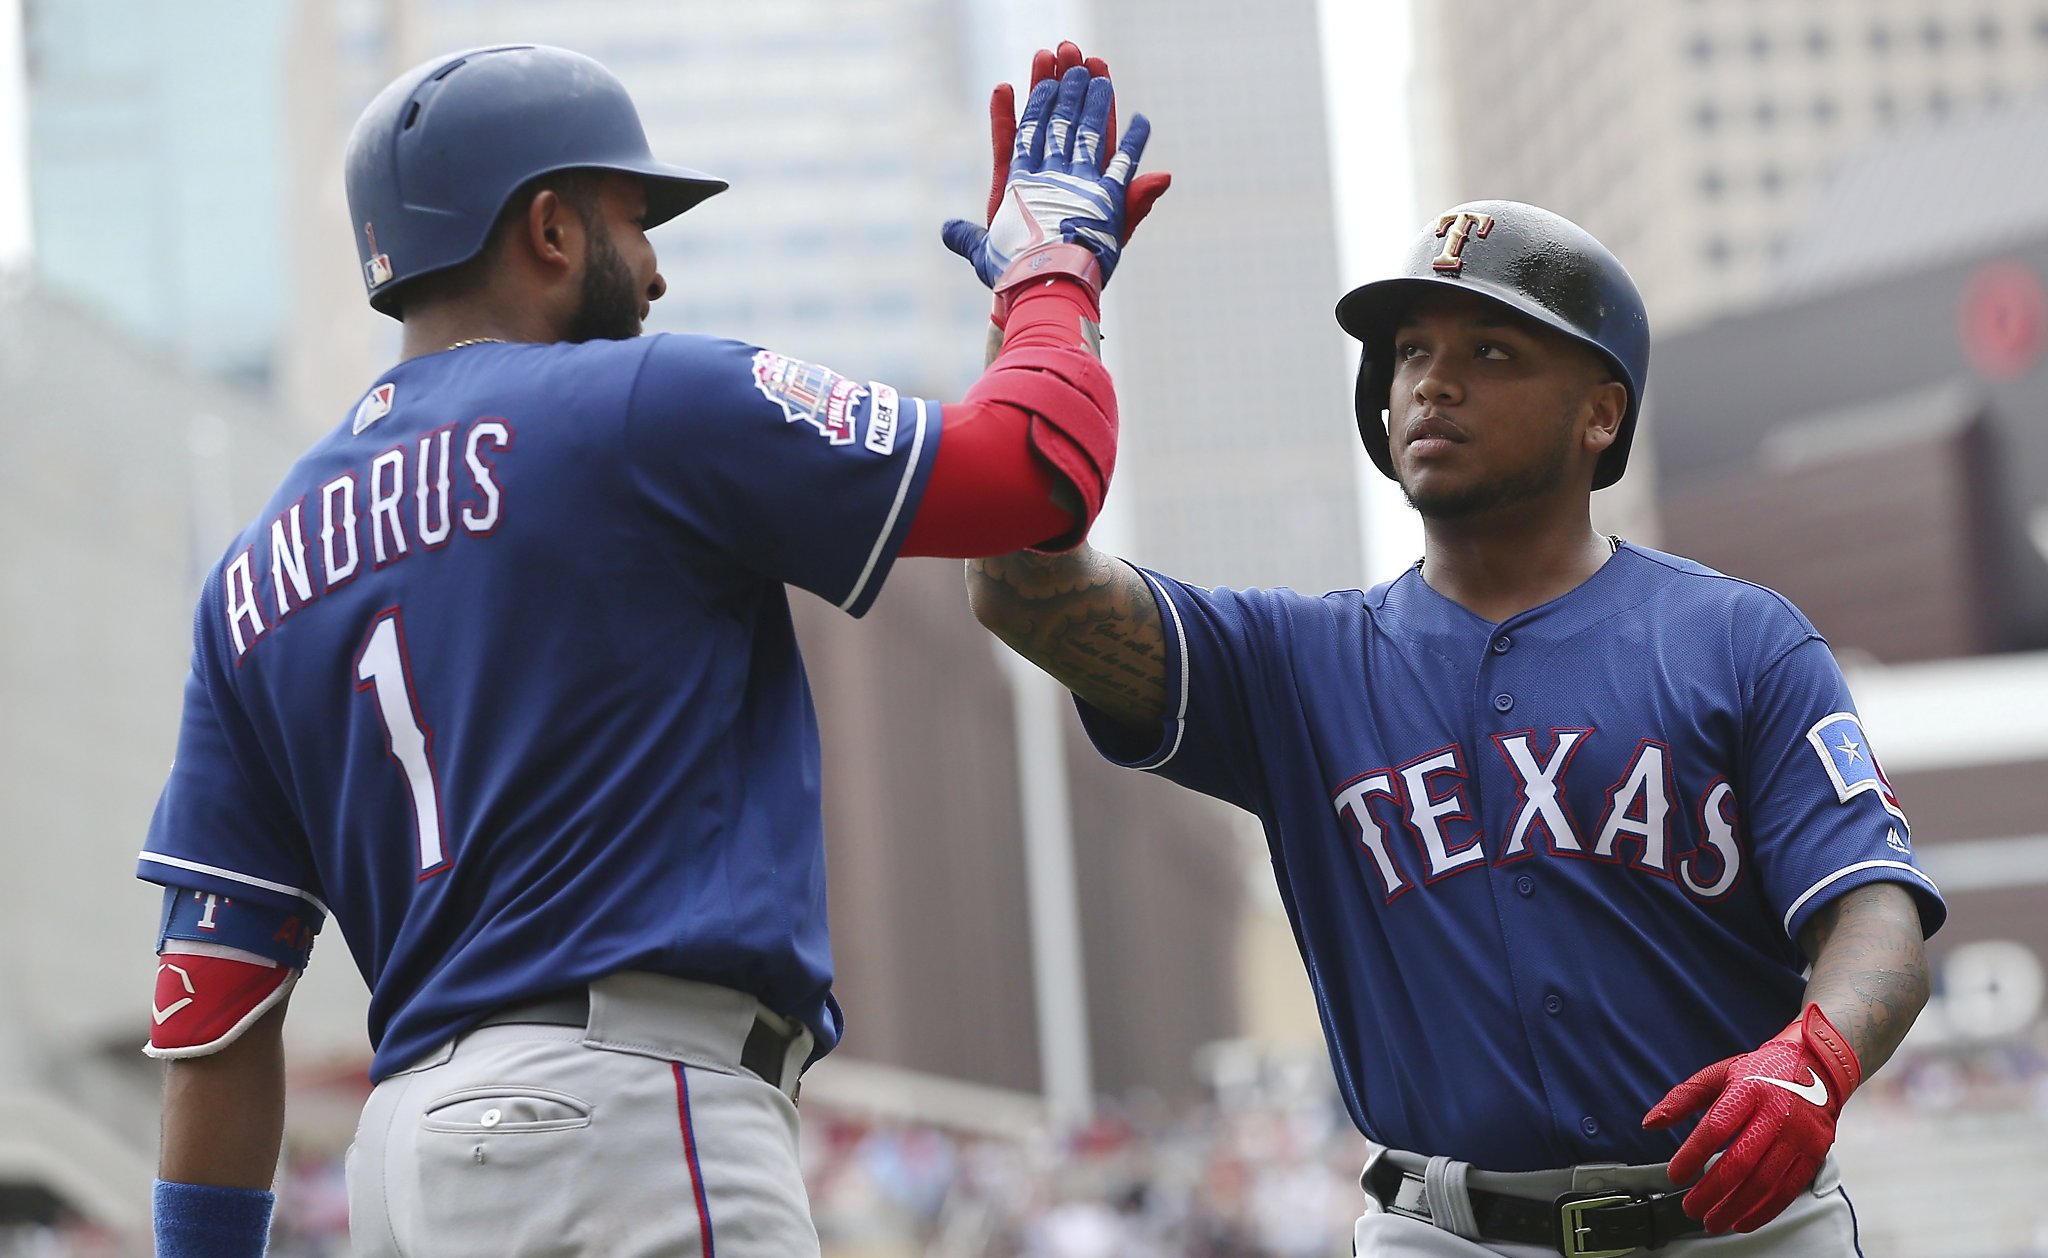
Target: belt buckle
column 1571, row 1232
column 1410, row 1200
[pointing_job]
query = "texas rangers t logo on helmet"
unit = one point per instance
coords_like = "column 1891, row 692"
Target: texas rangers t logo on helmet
column 1456, row 229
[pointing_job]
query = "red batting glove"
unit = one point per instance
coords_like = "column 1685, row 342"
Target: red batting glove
column 1779, row 1104
column 1144, row 189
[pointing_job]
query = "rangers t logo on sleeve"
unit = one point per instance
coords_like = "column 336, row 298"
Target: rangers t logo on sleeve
column 1850, row 763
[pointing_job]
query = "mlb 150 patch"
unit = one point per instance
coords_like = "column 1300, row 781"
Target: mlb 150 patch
column 805, row 391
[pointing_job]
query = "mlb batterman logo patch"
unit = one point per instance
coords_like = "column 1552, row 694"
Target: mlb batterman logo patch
column 805, row 391
column 374, row 406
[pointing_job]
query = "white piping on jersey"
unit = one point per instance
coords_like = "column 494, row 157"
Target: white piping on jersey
column 1839, row 874
column 1180, row 716
column 895, row 509
column 232, row 876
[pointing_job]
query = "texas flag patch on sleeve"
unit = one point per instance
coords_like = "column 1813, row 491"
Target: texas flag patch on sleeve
column 1851, row 765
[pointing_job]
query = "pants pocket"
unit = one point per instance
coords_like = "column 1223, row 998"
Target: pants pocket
column 504, row 1110
column 502, row 1170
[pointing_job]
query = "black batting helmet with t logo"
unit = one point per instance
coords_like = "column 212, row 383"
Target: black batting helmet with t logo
column 1538, row 264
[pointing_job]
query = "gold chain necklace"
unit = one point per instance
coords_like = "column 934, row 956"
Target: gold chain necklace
column 476, row 340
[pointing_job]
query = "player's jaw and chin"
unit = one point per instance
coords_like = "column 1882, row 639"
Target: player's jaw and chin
column 608, row 308
column 616, row 290
column 1433, row 486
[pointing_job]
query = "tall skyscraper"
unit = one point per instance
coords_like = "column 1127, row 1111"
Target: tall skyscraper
column 1237, row 424
column 1691, row 137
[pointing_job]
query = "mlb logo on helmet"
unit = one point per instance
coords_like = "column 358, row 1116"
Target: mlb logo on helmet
column 378, row 269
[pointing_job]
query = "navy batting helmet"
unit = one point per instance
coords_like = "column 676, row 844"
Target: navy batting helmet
column 1535, row 263
column 436, row 156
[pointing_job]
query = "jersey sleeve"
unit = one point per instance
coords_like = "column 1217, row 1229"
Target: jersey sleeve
column 222, row 823
column 1216, row 645
column 1821, row 814
column 783, row 468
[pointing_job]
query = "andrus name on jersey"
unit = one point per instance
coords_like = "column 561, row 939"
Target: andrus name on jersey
column 384, row 515
column 1426, row 798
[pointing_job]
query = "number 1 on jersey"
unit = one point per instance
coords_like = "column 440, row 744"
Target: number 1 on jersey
column 381, row 668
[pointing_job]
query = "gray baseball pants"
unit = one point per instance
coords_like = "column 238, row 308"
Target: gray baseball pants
column 637, row 1135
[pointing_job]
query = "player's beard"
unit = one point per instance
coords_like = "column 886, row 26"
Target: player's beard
column 608, row 309
column 1533, row 480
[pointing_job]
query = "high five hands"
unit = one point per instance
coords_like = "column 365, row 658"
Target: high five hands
column 1059, row 174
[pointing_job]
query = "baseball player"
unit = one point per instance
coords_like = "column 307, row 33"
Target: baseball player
column 503, row 681
column 1606, row 904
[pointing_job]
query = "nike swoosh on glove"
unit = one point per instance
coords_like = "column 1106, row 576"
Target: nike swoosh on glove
column 1774, row 1109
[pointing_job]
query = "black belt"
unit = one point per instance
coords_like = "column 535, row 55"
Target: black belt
column 765, row 1053
column 1597, row 1224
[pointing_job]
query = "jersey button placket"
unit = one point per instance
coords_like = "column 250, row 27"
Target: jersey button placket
column 1503, row 702
column 1553, row 1004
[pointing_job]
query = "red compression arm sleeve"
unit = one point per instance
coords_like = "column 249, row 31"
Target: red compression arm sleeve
column 1044, row 414
column 988, row 493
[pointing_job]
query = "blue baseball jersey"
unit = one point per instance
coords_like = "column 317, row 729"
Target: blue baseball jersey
column 1543, row 870
column 503, row 678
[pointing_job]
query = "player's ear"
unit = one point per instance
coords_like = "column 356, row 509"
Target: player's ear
column 551, row 227
column 1606, row 405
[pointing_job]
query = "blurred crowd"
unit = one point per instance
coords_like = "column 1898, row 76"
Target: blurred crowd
column 1139, row 1182
column 2007, row 1077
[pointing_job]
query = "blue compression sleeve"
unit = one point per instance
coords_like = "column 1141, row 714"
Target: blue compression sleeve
column 201, row 1221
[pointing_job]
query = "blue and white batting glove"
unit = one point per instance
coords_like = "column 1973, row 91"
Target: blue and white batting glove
column 1060, row 190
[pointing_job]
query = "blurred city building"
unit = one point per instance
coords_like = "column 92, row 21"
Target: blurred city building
column 1689, row 136
column 1880, row 457
column 1237, row 432
column 1694, row 138
column 123, row 474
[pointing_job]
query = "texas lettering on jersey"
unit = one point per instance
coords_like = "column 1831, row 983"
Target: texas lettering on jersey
column 1426, row 798
column 411, row 497
column 1569, row 854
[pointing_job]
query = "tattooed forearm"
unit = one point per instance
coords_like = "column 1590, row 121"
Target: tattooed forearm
column 1087, row 618
column 1869, row 968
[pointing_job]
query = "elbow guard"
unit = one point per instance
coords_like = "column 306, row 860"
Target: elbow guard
column 1045, row 370
column 222, row 963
